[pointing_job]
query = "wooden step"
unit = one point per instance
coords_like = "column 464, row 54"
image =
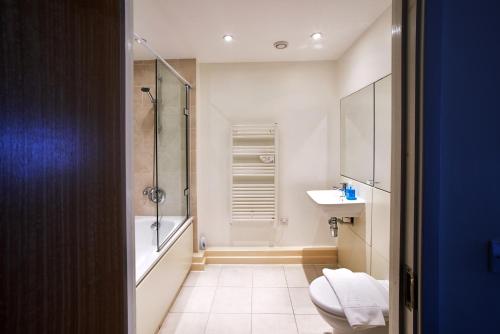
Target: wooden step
column 254, row 260
column 198, row 257
column 237, row 251
column 271, row 255
column 199, row 261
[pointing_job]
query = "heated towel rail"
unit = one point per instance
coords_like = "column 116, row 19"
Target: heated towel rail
column 254, row 177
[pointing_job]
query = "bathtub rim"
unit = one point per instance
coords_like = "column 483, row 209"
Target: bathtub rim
column 171, row 241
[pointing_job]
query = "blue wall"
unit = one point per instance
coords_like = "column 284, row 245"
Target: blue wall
column 462, row 166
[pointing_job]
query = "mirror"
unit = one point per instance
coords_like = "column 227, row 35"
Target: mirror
column 382, row 167
column 356, row 135
column 365, row 135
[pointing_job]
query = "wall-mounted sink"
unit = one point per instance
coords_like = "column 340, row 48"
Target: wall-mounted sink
column 334, row 204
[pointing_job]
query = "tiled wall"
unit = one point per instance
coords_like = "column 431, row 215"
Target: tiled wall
column 144, row 75
column 364, row 246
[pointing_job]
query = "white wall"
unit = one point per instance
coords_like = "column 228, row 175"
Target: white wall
column 365, row 246
column 300, row 97
column 368, row 59
column 304, row 98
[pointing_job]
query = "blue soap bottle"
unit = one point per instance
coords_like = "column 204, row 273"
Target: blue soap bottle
column 350, row 193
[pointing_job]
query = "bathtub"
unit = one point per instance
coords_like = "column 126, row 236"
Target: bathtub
column 159, row 275
column 146, row 254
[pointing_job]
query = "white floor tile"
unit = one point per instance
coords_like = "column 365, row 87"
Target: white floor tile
column 236, row 276
column 267, row 266
column 194, row 299
column 271, row 300
column 213, row 267
column 273, row 324
column 269, row 277
column 202, row 278
column 301, row 301
column 244, row 299
column 229, row 324
column 184, row 323
column 232, row 300
column 312, row 324
column 300, row 276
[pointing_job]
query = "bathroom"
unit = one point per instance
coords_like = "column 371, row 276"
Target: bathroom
column 242, row 131
column 231, row 166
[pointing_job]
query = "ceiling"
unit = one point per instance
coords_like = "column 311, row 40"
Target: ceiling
column 194, row 28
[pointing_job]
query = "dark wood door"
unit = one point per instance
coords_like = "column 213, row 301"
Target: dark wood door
column 62, row 167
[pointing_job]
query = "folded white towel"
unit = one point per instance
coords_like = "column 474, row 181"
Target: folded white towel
column 359, row 296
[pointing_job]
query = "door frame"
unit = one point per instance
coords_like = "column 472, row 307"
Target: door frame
column 397, row 192
column 398, row 169
column 127, row 82
column 407, row 162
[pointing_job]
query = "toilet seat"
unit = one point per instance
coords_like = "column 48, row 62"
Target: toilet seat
column 323, row 296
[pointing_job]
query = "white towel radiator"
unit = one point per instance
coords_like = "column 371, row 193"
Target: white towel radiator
column 254, row 177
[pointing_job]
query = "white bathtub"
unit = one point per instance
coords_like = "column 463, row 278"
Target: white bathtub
column 159, row 275
column 146, row 254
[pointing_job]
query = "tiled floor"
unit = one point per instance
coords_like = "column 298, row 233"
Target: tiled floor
column 246, row 299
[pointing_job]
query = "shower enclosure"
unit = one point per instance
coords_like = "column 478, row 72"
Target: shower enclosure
column 170, row 191
column 166, row 191
column 163, row 226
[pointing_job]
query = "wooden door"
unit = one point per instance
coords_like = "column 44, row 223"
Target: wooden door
column 62, row 167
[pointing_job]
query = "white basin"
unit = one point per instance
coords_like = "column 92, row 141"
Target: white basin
column 333, row 203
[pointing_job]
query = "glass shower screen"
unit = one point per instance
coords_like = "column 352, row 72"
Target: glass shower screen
column 171, row 152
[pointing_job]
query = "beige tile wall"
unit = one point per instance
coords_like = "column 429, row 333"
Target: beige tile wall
column 364, row 246
column 144, row 75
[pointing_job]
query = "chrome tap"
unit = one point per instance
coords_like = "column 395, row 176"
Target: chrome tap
column 155, row 194
column 342, row 188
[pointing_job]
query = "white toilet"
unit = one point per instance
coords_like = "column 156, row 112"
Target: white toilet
column 328, row 305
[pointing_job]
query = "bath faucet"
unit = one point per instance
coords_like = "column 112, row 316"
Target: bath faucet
column 155, row 194
column 155, row 229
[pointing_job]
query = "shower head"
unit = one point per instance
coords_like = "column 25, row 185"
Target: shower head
column 147, row 90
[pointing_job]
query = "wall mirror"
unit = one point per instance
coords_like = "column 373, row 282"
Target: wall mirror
column 365, row 135
column 356, row 128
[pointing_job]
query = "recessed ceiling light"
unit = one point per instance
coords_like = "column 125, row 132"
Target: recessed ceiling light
column 228, row 38
column 317, row 36
column 280, row 45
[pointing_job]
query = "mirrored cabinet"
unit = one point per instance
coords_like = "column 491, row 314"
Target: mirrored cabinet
column 382, row 130
column 365, row 135
column 356, row 133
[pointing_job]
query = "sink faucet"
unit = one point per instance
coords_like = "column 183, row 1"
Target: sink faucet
column 342, row 188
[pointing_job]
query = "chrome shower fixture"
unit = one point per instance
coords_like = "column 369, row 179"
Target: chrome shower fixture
column 154, row 194
column 148, row 90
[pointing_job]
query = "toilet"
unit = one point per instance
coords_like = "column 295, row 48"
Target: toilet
column 328, row 306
